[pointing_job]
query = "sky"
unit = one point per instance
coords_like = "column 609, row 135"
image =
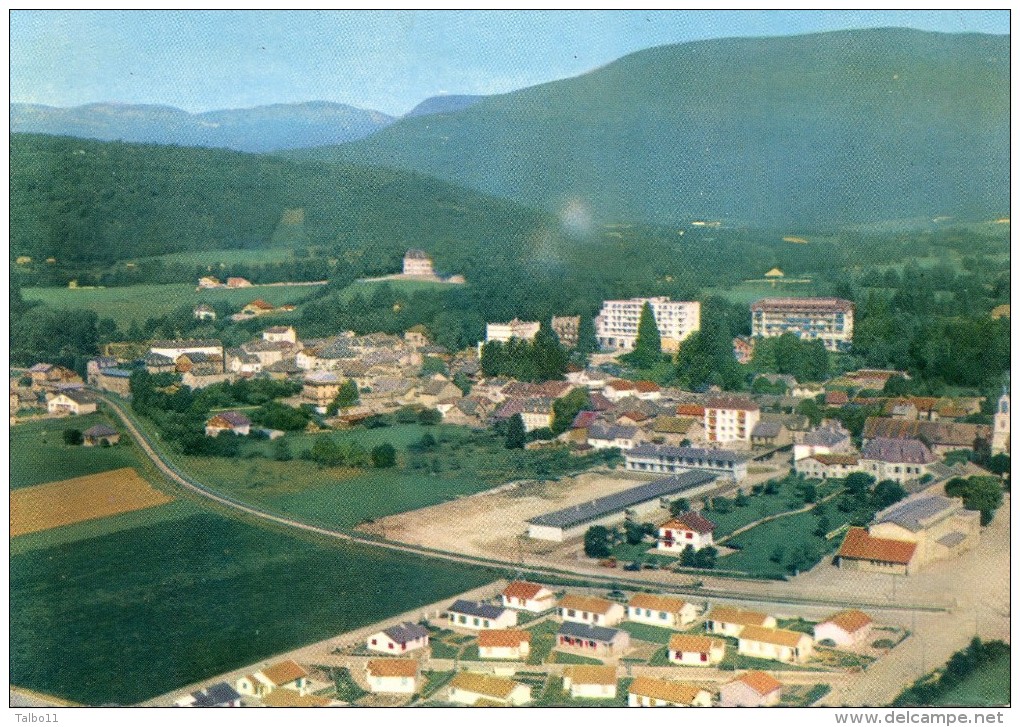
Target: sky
column 387, row 61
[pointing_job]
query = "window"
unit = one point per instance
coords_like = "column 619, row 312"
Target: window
column 389, row 645
column 571, row 612
column 475, row 621
column 663, row 615
column 373, row 642
column 704, row 656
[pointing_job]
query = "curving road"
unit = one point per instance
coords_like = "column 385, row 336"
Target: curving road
column 615, row 581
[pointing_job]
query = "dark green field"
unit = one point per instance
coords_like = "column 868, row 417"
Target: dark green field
column 144, row 611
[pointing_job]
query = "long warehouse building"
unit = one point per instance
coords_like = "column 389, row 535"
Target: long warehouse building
column 636, row 502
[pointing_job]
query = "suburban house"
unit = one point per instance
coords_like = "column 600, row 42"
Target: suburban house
column 283, row 675
column 392, row 676
column 594, row 641
column 228, row 421
column 174, row 349
column 770, row 434
column 238, row 361
column 743, row 349
column 401, row 639
column 117, row 381
column 730, row 420
column 773, row 643
column 504, row 644
column 666, row 611
column 280, row 334
column 689, row 529
column 678, row 431
column 607, row 437
column 99, row 435
column 751, row 689
column 537, row 413
column 827, row 466
column 476, row 616
column 526, row 596
column 48, row 375
column 72, row 401
column 652, row 692
column 901, row 460
column 157, row 363
column 220, row 694
column 320, row 389
column 589, row 609
column 617, row 389
column 473, row 689
column 590, row 681
column 846, row 628
column 417, row 263
column 257, row 307
column 204, row 312
column 695, row 650
column 730, row 621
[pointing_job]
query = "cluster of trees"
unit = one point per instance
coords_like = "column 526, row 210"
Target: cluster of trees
column 541, row 359
column 961, row 665
column 274, row 415
column 980, row 493
column 787, row 354
column 863, row 497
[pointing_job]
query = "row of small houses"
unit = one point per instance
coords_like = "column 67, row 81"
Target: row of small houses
column 587, row 628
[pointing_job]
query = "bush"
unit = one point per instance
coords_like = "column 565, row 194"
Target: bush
column 596, row 542
column 883, row 644
column 406, row 415
column 384, row 455
column 73, row 437
column 429, row 417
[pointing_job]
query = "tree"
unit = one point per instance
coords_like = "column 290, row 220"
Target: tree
column 886, row 493
column 73, row 437
column 822, row 526
column 587, row 341
column 679, row 506
column 275, row 415
column 326, row 452
column 462, row 382
column 705, row 557
column 515, row 434
column 384, row 455
column 429, row 417
column 858, row 483
column 648, row 346
column 979, row 493
column 634, row 532
column 281, row 450
column 566, row 408
column 346, row 397
column 596, row 542
column 999, row 464
column 688, row 557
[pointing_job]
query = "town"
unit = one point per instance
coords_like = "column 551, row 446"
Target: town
column 708, row 492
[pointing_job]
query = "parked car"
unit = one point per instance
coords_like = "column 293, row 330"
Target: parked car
column 632, row 566
column 617, row 595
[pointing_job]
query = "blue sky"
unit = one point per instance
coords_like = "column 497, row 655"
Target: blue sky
column 383, row 60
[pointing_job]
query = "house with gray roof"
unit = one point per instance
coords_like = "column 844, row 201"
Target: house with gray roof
column 940, row 526
column 609, row 436
column 400, row 639
column 476, row 616
column 901, row 460
column 595, row 641
column 665, row 459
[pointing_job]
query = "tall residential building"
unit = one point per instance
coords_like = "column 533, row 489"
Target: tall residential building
column 418, row 262
column 830, row 320
column 1000, row 428
column 503, row 332
column 617, row 324
column 566, row 329
column 730, row 419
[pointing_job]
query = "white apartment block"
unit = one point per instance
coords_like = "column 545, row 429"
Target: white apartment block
column 616, row 326
column 730, row 419
column 503, row 332
column 830, row 320
column 418, row 263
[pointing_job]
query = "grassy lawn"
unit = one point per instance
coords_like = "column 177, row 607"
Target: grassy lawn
column 562, row 657
column 365, row 288
column 444, row 650
column 988, row 686
column 759, row 506
column 434, row 681
column 543, row 638
column 785, row 538
column 160, row 606
column 399, row 435
column 140, row 302
column 802, row 695
column 644, row 632
column 39, row 455
column 347, row 690
column 796, row 624
column 226, row 257
column 660, row 658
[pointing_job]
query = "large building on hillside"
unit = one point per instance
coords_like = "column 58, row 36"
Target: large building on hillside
column 616, row 326
column 418, row 263
column 829, row 320
column 503, row 332
column 566, row 329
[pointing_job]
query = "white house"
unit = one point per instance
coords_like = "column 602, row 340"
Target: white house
column 651, row 692
column 730, row 419
column 607, row 437
column 173, row 350
column 392, row 676
column 537, row 413
column 227, row 421
column 280, row 334
column 665, row 611
column 771, row 643
column 689, row 529
column 476, row 616
column 730, row 621
column 471, row 688
column 283, row 675
column 525, row 596
column 695, row 650
column 590, row 682
column 590, row 610
column 503, row 332
column 846, row 628
column 752, row 689
column 72, row 402
column 399, row 639
column 504, row 644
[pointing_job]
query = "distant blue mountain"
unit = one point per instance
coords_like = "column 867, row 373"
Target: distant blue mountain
column 443, row 105
column 260, row 129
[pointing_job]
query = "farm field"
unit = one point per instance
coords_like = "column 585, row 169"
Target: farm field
column 140, row 302
column 92, row 497
column 203, row 594
column 39, row 455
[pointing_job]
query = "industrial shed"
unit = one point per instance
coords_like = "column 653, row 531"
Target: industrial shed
column 638, row 501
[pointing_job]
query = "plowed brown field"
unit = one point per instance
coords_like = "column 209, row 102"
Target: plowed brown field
column 34, row 509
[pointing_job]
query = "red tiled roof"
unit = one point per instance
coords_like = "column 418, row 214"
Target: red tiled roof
column 522, row 589
column 503, row 637
column 813, row 305
column 690, row 410
column 850, row 620
column 760, row 682
column 646, row 387
column 860, row 545
column 621, row 385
